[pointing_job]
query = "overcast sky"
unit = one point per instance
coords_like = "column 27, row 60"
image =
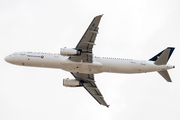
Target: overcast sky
column 137, row 29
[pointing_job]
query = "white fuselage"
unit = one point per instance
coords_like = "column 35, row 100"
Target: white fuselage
column 100, row 64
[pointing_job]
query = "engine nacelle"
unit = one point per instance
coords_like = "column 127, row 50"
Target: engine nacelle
column 71, row 83
column 69, row 52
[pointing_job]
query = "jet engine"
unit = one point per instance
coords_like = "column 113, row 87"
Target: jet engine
column 71, row 83
column 69, row 52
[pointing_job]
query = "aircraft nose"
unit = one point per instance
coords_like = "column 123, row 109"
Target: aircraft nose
column 9, row 59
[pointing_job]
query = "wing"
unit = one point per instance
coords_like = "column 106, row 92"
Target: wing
column 90, row 86
column 86, row 43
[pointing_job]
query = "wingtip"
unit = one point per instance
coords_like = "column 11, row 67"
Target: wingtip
column 101, row 15
column 108, row 106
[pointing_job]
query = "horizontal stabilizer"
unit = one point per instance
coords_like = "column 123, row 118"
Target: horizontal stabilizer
column 165, row 75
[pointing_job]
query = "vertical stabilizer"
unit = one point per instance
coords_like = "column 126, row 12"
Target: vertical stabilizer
column 163, row 57
column 165, row 75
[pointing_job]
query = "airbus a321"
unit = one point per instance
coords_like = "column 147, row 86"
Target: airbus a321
column 81, row 63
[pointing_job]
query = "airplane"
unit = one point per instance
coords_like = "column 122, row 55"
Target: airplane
column 82, row 64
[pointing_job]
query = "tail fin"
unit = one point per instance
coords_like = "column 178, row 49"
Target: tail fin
column 161, row 59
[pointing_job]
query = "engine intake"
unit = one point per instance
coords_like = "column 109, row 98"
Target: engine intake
column 71, row 83
column 69, row 52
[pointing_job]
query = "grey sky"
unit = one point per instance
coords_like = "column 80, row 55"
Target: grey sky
column 129, row 29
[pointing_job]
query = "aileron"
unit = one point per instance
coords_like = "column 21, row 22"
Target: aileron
column 87, row 41
column 90, row 86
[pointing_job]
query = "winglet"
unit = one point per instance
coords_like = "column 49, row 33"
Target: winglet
column 101, row 15
column 108, row 106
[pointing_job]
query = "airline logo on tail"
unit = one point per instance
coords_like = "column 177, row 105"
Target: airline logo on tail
column 170, row 49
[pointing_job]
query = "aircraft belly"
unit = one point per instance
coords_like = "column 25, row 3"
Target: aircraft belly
column 120, row 66
column 81, row 67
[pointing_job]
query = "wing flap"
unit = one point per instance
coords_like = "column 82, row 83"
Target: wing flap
column 90, row 34
column 86, row 43
column 90, row 86
column 94, row 91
